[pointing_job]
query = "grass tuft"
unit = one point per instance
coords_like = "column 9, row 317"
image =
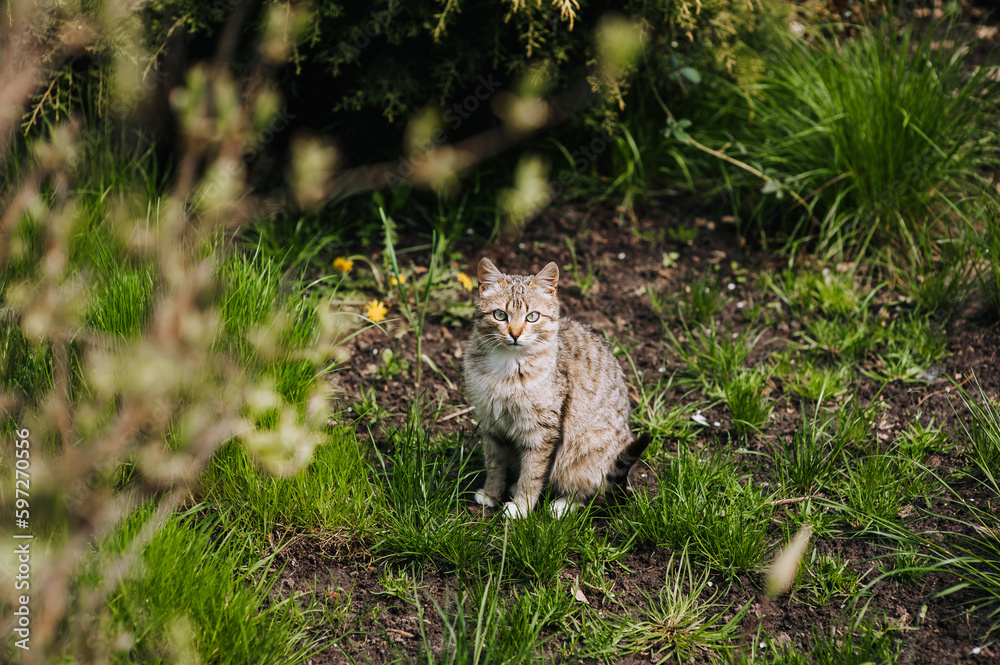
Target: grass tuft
column 677, row 625
column 812, row 456
column 539, row 545
column 746, row 394
column 882, row 134
column 712, row 357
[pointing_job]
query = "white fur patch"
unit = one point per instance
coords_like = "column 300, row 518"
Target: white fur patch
column 562, row 506
column 483, row 500
column 513, row 511
column 504, row 360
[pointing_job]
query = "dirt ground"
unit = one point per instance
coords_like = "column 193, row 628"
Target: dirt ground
column 627, row 262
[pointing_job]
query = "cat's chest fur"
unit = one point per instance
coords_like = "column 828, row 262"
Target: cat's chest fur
column 514, row 394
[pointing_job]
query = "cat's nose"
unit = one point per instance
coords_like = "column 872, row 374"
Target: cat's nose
column 514, row 335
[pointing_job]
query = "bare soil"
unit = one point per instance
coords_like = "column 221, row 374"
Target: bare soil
column 626, row 255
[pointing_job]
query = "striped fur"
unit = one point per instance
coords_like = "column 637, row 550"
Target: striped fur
column 550, row 397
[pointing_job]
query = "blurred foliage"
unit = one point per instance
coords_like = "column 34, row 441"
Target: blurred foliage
column 382, row 62
column 131, row 346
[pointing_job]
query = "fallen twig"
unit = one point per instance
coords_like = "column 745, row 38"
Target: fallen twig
column 456, row 414
column 794, row 500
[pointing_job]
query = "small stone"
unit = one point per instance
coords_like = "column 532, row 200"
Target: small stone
column 976, row 650
column 621, row 256
column 740, row 305
column 731, row 286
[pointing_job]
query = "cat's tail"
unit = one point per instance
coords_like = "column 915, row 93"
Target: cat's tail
column 618, row 475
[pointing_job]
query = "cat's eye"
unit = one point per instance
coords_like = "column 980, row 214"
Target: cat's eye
column 499, row 315
column 532, row 317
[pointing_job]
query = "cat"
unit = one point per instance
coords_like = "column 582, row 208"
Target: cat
column 549, row 396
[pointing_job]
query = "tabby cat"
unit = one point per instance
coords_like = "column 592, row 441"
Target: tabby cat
column 550, row 397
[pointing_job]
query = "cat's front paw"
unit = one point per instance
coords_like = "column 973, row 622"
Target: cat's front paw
column 561, row 506
column 513, row 510
column 483, row 499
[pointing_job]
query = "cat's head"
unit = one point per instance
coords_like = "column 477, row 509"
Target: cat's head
column 517, row 312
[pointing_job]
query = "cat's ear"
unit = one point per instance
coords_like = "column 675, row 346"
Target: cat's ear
column 548, row 277
column 488, row 275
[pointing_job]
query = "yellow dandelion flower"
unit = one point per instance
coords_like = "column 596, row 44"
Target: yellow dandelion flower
column 342, row 264
column 394, row 282
column 465, row 280
column 376, row 311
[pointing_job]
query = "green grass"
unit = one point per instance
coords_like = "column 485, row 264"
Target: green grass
column 203, row 588
column 825, row 578
column 661, row 416
column 679, row 624
column 875, row 491
column 705, row 507
column 584, row 281
column 332, row 496
column 201, row 591
column 24, row 367
column 539, row 546
column 988, row 271
column 746, row 395
column 700, row 298
column 859, row 639
column 486, row 627
column 910, row 347
column 421, row 502
column 123, row 304
column 880, row 133
column 839, row 340
column 967, row 544
column 812, row 380
column 824, row 291
column 810, row 459
column 118, row 288
column 919, row 441
column 855, row 429
column 983, row 438
column 711, row 357
column 939, row 275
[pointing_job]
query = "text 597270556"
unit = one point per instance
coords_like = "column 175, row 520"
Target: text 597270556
column 22, row 536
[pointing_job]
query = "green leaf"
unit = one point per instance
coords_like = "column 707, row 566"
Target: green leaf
column 691, row 74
